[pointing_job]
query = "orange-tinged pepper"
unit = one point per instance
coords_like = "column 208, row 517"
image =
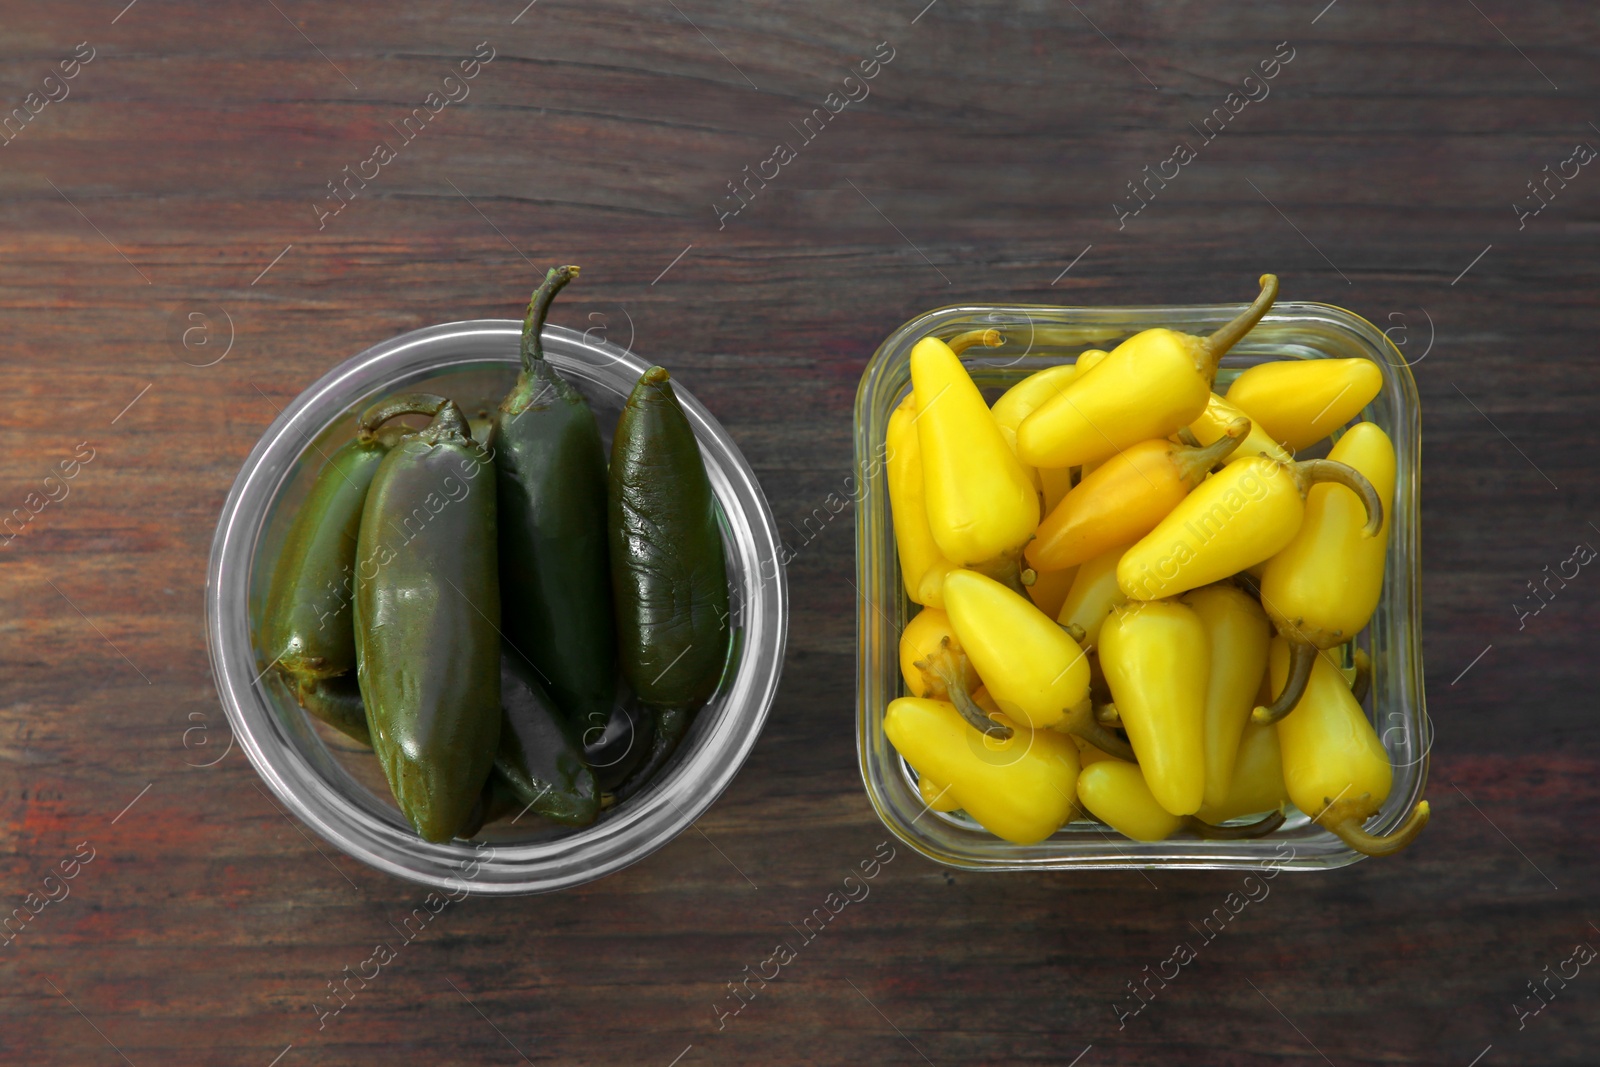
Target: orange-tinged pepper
column 981, row 503
column 1049, row 589
column 925, row 636
column 1243, row 514
column 1220, row 414
column 1256, row 784
column 922, row 564
column 1157, row 659
column 1322, row 588
column 1334, row 766
column 1124, row 498
column 1020, row 787
column 1301, row 401
column 1093, row 594
column 1240, row 635
column 1147, row 387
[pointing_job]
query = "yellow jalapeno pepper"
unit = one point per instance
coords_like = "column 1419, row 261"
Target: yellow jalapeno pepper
column 922, row 564
column 1147, row 387
column 1321, row 589
column 1256, row 784
column 1024, row 398
column 1118, row 795
column 1220, row 414
column 937, row 797
column 1240, row 635
column 1090, row 359
column 1243, row 514
column 1124, row 498
column 926, row 636
column 1093, row 594
column 981, row 504
column 1334, row 766
column 1301, row 401
column 1157, row 660
column 1036, row 673
column 1019, row 787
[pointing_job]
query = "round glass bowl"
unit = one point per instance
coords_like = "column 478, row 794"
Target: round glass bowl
column 1037, row 337
column 335, row 785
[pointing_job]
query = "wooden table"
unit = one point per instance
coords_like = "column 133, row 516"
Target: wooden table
column 176, row 197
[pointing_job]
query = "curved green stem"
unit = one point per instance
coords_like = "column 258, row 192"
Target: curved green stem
column 1080, row 720
column 989, row 338
column 1260, row 828
column 1302, row 656
column 428, row 404
column 1346, row 825
column 945, row 669
column 1194, row 463
column 1309, row 472
column 538, row 309
column 1007, row 570
column 1217, row 345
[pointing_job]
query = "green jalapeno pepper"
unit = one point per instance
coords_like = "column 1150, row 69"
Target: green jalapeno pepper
column 555, row 583
column 537, row 758
column 668, row 571
column 427, row 617
column 307, row 629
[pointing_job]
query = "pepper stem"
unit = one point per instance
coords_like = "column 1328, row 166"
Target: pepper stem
column 538, row 309
column 1007, row 570
column 989, row 338
column 1260, row 828
column 1194, row 463
column 1080, row 720
column 1302, row 656
column 1309, row 472
column 1361, row 684
column 945, row 669
column 1346, row 825
column 1216, row 346
column 427, row 404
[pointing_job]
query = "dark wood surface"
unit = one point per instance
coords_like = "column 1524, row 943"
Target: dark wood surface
column 1385, row 161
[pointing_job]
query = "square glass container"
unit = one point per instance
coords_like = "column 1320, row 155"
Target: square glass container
column 1036, row 337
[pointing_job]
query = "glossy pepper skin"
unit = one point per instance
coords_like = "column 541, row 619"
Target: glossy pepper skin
column 536, row 755
column 1334, row 766
column 1300, row 401
column 307, row 631
column 1036, row 673
column 1256, row 784
column 1146, row 387
column 1220, row 414
column 1240, row 635
column 550, row 477
column 981, row 503
column 1157, row 659
column 1322, row 588
column 1094, row 593
column 1050, row 588
column 1116, row 793
column 1020, row 788
column 427, row 617
column 922, row 563
column 1022, row 399
column 1124, row 498
column 1243, row 514
column 668, row 570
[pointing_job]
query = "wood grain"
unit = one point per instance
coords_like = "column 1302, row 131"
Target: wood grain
column 189, row 155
